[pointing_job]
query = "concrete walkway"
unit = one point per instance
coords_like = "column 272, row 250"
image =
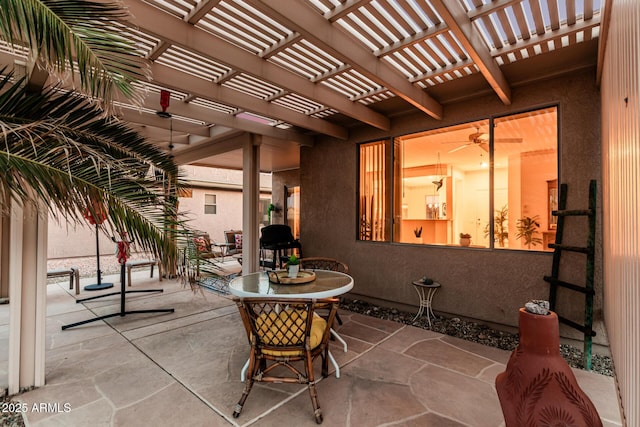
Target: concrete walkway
column 183, row 369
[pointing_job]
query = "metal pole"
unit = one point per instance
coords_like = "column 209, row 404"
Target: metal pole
column 98, row 256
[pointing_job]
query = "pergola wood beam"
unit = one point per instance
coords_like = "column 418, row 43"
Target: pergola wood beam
column 605, row 18
column 171, row 78
column 35, row 77
column 201, row 10
column 175, row 31
column 536, row 40
column 279, row 47
column 487, row 9
column 460, row 25
column 298, row 17
column 345, row 8
column 232, row 140
column 413, row 39
column 442, row 71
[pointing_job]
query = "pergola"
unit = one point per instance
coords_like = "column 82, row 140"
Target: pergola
column 289, row 70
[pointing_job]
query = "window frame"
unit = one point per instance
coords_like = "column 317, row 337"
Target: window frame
column 395, row 212
column 214, row 205
column 388, row 200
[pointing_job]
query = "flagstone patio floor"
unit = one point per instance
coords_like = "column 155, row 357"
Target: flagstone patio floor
column 183, row 369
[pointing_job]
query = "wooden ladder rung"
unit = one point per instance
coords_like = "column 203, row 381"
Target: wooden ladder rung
column 587, row 331
column 573, row 212
column 571, row 248
column 568, row 285
column 562, row 213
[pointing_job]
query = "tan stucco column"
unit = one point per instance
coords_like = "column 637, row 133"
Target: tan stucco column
column 27, row 287
column 250, row 201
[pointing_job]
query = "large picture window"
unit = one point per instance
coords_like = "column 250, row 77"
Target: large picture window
column 490, row 181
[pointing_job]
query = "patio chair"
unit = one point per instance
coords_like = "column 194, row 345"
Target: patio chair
column 203, row 246
column 285, row 333
column 233, row 241
column 197, row 266
column 320, row 263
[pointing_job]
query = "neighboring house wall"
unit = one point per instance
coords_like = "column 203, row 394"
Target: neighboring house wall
column 67, row 241
column 621, row 194
column 488, row 285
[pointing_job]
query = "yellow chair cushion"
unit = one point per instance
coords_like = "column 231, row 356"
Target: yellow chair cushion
column 287, row 328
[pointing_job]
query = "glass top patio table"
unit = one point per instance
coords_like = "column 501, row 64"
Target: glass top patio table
column 327, row 284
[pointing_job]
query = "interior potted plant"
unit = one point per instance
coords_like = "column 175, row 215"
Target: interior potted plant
column 293, row 266
column 270, row 209
column 465, row 239
column 418, row 233
column 500, row 226
column 527, row 229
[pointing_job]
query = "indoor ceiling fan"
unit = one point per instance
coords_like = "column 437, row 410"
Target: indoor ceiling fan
column 481, row 139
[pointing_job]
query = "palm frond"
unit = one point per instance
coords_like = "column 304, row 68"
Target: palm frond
column 66, row 36
column 56, row 147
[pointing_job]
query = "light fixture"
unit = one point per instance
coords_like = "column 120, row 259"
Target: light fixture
column 483, row 164
column 439, row 177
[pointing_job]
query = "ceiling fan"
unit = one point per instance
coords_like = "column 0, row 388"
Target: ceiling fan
column 481, row 140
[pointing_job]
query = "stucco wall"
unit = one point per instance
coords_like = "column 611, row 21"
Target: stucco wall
column 484, row 284
column 290, row 178
column 68, row 240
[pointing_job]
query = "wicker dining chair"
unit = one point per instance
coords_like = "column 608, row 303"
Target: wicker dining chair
column 285, row 332
column 322, row 263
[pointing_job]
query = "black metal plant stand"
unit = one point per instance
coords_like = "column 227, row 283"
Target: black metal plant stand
column 123, row 312
column 98, row 286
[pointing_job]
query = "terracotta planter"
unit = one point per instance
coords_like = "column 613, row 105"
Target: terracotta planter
column 465, row 241
column 538, row 387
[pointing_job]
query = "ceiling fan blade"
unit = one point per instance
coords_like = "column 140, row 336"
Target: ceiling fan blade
column 484, row 146
column 508, row 140
column 460, row 147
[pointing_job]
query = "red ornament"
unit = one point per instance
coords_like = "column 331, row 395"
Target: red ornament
column 98, row 216
column 165, row 96
column 123, row 251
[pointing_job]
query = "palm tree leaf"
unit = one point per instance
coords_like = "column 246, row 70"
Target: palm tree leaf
column 77, row 35
column 65, row 152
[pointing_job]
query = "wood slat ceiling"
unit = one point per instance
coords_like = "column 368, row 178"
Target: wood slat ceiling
column 292, row 69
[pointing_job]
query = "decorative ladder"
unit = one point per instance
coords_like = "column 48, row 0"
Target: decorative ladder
column 589, row 251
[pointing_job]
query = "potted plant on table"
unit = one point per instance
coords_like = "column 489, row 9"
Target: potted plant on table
column 465, row 239
column 293, row 266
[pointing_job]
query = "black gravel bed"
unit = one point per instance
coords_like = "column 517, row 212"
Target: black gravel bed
column 475, row 332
